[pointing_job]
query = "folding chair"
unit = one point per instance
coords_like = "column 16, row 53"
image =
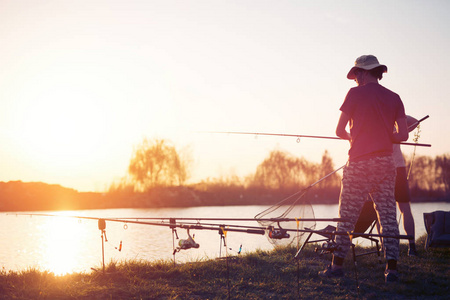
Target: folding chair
column 437, row 225
column 367, row 220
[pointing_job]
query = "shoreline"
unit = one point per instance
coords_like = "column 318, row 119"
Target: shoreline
column 256, row 275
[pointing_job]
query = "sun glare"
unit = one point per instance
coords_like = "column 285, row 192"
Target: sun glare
column 60, row 133
column 61, row 249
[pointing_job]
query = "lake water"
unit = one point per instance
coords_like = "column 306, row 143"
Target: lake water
column 64, row 245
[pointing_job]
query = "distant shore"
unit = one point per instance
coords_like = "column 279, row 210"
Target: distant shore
column 38, row 196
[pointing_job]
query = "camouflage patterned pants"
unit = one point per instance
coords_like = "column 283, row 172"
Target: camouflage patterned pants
column 377, row 177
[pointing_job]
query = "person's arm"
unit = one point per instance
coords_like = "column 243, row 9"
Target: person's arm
column 342, row 124
column 402, row 130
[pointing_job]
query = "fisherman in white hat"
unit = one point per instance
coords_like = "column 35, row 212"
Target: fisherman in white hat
column 371, row 111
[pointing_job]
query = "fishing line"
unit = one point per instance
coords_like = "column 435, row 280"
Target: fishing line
column 304, row 210
column 118, row 248
column 416, row 139
column 298, row 136
column 302, row 192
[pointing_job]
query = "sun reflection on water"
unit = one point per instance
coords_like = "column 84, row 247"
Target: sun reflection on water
column 66, row 245
column 61, row 249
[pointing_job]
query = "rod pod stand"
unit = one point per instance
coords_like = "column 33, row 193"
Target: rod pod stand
column 174, row 234
column 102, row 227
column 222, row 233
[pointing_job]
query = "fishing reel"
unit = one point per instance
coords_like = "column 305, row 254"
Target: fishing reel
column 278, row 234
column 327, row 247
column 185, row 244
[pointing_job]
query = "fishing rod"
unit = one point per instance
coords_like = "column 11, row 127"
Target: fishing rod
column 308, row 136
column 164, row 224
column 355, row 234
column 162, row 219
column 274, row 233
column 298, row 136
column 237, row 219
column 172, row 222
column 418, row 122
column 228, row 227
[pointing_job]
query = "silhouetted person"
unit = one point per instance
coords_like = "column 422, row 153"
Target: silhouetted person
column 371, row 111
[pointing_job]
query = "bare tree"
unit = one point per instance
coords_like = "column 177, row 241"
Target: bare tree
column 157, row 163
column 326, row 167
column 443, row 172
column 282, row 170
column 422, row 175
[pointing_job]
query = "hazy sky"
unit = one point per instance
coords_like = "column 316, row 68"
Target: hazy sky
column 83, row 82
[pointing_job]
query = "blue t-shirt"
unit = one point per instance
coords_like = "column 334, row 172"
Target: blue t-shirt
column 373, row 110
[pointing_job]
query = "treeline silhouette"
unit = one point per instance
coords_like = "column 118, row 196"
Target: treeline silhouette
column 158, row 173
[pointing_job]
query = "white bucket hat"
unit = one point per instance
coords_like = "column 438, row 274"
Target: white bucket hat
column 366, row 62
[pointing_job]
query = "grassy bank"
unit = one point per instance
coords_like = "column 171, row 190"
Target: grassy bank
column 259, row 275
